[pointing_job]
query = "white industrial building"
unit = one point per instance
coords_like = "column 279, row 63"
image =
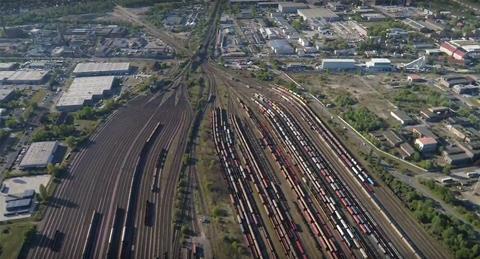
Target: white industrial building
column 291, row 7
column 318, row 13
column 39, row 155
column 101, row 69
column 23, row 77
column 379, row 64
column 84, row 91
column 5, row 94
column 373, row 17
column 338, row 64
column 402, row 117
column 8, row 66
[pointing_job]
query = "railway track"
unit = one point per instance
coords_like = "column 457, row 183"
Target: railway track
column 104, row 157
column 406, row 243
column 417, row 243
column 99, row 175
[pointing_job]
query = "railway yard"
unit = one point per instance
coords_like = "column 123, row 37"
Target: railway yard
column 286, row 169
column 294, row 188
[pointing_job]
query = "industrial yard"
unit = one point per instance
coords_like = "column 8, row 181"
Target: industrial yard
column 240, row 128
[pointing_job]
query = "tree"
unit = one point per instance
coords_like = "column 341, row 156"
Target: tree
column 363, row 120
column 473, row 120
column 427, row 164
column 11, row 123
column 416, row 156
column 71, row 142
column 28, row 112
column 3, row 134
column 40, row 135
column 298, row 24
column 53, row 117
column 85, row 113
column 43, row 193
column 236, row 248
column 54, row 170
column 344, row 100
column 477, row 68
column 156, row 66
column 50, row 168
column 264, row 75
column 370, row 156
column 446, row 169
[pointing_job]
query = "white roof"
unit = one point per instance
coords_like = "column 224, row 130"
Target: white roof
column 339, row 60
column 292, row 4
column 39, row 154
column 317, row 13
column 470, row 48
column 381, row 60
column 28, row 75
column 7, row 65
column 4, row 75
column 85, row 89
column 4, row 93
column 101, row 67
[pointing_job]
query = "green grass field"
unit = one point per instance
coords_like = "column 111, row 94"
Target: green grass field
column 12, row 237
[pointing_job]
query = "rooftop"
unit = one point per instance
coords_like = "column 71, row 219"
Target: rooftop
column 427, row 141
column 401, row 115
column 39, row 154
column 4, row 75
column 407, row 149
column 85, row 89
column 292, row 4
column 339, row 60
column 281, row 46
column 317, row 13
column 4, row 93
column 380, row 60
column 28, row 75
column 424, row 131
column 7, row 65
column 101, row 67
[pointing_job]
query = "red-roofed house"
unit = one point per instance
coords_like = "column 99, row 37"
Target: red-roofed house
column 426, row 144
column 459, row 54
column 447, row 48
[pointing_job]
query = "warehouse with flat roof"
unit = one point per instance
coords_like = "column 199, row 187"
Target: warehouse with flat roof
column 101, row 69
column 6, row 94
column 290, row 7
column 338, row 64
column 28, row 77
column 379, row 64
column 8, row 66
column 23, row 76
column 39, row 155
column 318, row 13
column 402, row 117
column 84, row 91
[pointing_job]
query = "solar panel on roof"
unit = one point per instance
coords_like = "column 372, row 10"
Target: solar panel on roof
column 18, row 204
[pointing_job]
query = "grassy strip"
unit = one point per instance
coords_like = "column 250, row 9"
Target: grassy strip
column 12, row 236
